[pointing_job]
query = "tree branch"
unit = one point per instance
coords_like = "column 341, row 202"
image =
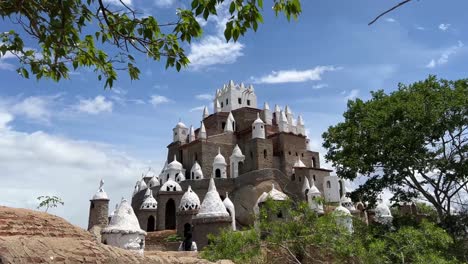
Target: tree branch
column 388, row 11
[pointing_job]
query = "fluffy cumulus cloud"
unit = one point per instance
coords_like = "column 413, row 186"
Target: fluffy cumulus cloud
column 444, row 56
column 214, row 50
column 159, row 99
column 351, row 95
column 35, row 108
column 38, row 163
column 444, row 27
column 294, row 76
column 94, row 106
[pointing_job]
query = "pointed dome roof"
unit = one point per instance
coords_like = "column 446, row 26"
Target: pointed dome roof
column 219, row 159
column 197, row 171
column 142, row 185
column 170, row 186
column 124, row 221
column 283, row 117
column 196, row 166
column 341, row 211
column 180, row 125
column 258, row 120
column 100, row 194
column 148, row 192
column 228, row 203
column 149, row 203
column 154, row 181
column 299, row 163
column 305, row 185
column 347, row 203
column 274, row 194
column 189, row 200
column 382, row 210
column 314, row 189
column 287, row 110
column 205, row 112
column 277, row 108
column 212, row 206
column 300, row 121
column 135, row 190
column 174, row 165
column 180, row 177
column 266, row 106
column 202, row 128
column 237, row 152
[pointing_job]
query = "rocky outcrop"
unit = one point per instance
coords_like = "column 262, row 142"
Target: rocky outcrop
column 28, row 236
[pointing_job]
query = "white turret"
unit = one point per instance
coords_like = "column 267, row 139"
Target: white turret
column 267, row 114
column 124, row 230
column 313, row 199
column 189, row 201
column 300, row 126
column 258, row 128
column 343, row 217
column 383, row 215
column 202, row 131
column 347, row 203
column 234, row 160
column 217, row 106
column 212, row 205
column 231, row 210
column 180, row 132
column 170, row 186
column 277, row 114
column 230, row 123
column 205, row 112
column 154, row 181
column 305, row 187
column 100, row 194
column 233, row 97
column 142, row 185
column 219, row 166
column 196, row 172
column 149, row 203
column 283, row 123
column 191, row 134
column 173, row 170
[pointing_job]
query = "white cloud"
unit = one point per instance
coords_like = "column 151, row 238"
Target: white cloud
column 38, row 163
column 292, row 76
column 214, row 50
column 196, row 109
column 208, row 97
column 420, row 28
column 444, row 27
column 159, row 99
column 119, row 2
column 351, row 95
column 391, row 20
column 95, row 106
column 444, row 56
column 319, row 86
column 4, row 65
column 35, row 108
column 164, row 3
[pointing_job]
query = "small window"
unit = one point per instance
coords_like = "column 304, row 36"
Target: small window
column 302, row 154
column 92, row 205
column 293, row 177
column 328, row 184
column 175, row 133
column 223, row 124
column 251, row 155
column 297, row 154
column 167, row 178
column 227, row 102
column 313, row 177
column 254, row 128
column 264, row 153
column 299, row 178
column 239, row 100
column 183, row 132
column 280, row 214
column 221, row 104
column 248, row 102
column 289, row 152
column 261, row 127
column 193, row 175
column 196, row 156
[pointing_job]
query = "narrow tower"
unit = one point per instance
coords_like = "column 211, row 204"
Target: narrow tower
column 99, row 209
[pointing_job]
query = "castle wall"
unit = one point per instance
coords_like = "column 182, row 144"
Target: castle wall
column 143, row 216
column 289, row 147
column 204, row 226
column 184, row 217
column 163, row 198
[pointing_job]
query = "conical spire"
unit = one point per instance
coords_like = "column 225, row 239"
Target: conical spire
column 205, row 112
column 202, row 132
column 217, row 106
column 191, row 134
column 230, row 123
column 305, row 185
column 212, row 205
column 266, row 106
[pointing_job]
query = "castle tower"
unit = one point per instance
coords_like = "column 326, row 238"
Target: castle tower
column 202, row 133
column 124, row 230
column 148, row 212
column 235, row 96
column 231, row 210
column 267, row 114
column 236, row 158
column 180, row 132
column 189, row 206
column 191, row 136
column 99, row 209
column 205, row 112
column 211, row 218
column 230, row 123
column 219, row 166
column 196, row 172
column 283, row 123
column 258, row 128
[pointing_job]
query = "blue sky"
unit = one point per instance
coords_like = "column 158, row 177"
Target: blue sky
column 62, row 138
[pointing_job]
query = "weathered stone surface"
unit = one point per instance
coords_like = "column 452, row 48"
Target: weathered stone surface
column 28, row 236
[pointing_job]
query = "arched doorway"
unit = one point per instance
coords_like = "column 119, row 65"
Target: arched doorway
column 187, row 229
column 218, row 173
column 170, row 215
column 150, row 225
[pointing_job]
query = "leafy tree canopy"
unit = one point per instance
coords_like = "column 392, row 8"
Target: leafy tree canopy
column 80, row 33
column 412, row 141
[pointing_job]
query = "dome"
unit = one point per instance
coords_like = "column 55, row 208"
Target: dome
column 149, row 203
column 170, row 186
column 236, row 152
column 148, row 192
column 196, row 171
column 180, row 177
column 299, row 163
column 174, row 165
column 383, row 214
column 142, row 185
column 189, row 201
column 314, row 189
column 258, row 120
column 212, row 206
column 219, row 159
column 100, row 194
column 124, row 221
column 154, row 181
column 305, row 185
column 347, row 203
column 274, row 194
column 180, row 125
column 114, row 211
column 341, row 211
column 151, row 173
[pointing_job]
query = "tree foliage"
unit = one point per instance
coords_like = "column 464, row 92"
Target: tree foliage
column 412, row 141
column 71, row 34
column 49, row 202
